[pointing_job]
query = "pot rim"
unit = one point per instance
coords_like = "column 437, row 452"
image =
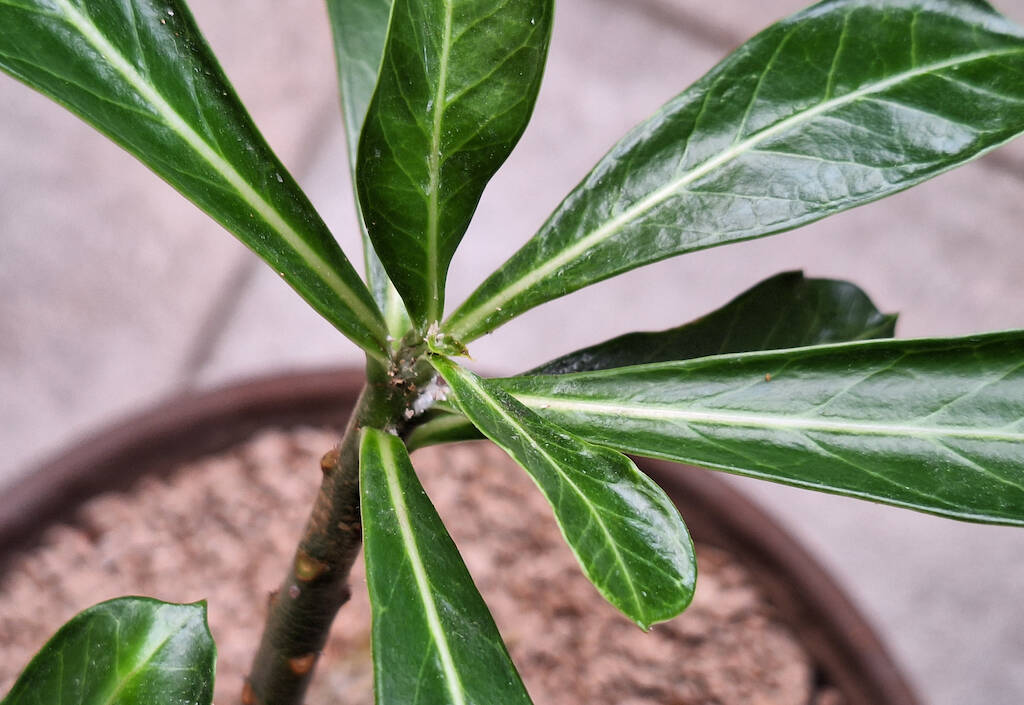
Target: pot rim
column 193, row 424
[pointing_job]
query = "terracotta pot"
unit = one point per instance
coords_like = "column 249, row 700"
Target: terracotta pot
column 846, row 650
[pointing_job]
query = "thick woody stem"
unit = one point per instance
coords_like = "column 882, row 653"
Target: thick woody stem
column 301, row 612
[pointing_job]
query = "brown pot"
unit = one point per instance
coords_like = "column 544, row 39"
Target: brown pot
column 839, row 640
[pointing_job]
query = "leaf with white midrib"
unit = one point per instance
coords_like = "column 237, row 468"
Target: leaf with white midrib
column 664, row 412
column 636, row 606
column 130, row 650
column 934, row 425
column 424, row 591
column 456, row 88
column 623, row 530
column 728, row 159
column 100, row 60
column 787, row 310
column 433, row 639
column 359, row 28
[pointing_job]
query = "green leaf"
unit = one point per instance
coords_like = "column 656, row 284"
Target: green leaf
column 933, row 425
column 139, row 71
column 359, row 28
column 457, row 85
column 839, row 105
column 433, row 639
column 438, row 426
column 128, row 651
column 784, row 311
column 626, row 534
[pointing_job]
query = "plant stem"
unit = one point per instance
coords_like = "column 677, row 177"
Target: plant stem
column 301, row 612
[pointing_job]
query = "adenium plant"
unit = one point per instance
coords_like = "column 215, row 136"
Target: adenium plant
column 796, row 381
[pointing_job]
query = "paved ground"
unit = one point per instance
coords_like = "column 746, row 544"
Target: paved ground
column 115, row 293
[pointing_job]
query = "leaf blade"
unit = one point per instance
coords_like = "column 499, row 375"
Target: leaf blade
column 449, row 107
column 441, row 427
column 768, row 141
column 932, row 425
column 641, row 556
column 784, row 311
column 359, row 29
column 409, row 556
column 141, row 73
column 154, row 653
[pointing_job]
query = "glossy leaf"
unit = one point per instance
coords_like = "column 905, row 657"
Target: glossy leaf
column 359, row 28
column 626, row 534
column 839, row 105
column 441, row 427
column 933, row 425
column 785, row 311
column 434, row 640
column 457, row 85
column 139, row 71
column 128, row 651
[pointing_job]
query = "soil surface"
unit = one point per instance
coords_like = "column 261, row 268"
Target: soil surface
column 224, row 528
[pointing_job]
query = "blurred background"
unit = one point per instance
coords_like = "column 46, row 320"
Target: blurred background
column 116, row 293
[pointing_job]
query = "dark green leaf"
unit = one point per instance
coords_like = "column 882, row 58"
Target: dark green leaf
column 934, row 425
column 839, row 105
column 359, row 28
column 128, row 651
column 139, row 71
column 433, row 639
column 785, row 311
column 626, row 534
column 457, row 85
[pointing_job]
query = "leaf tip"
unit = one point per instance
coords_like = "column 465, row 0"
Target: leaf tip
column 645, row 625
